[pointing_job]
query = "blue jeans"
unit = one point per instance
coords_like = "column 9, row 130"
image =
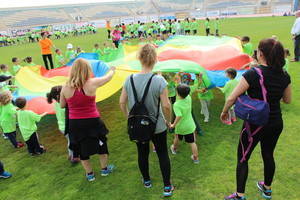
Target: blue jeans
column 12, row 138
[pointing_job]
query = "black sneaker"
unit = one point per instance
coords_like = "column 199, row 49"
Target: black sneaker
column 267, row 194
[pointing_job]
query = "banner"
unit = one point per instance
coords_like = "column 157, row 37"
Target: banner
column 127, row 20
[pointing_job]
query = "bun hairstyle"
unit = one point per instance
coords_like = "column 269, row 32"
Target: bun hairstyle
column 54, row 94
column 273, row 52
column 147, row 55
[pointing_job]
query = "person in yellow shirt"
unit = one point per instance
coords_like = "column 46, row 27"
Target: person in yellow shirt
column 46, row 45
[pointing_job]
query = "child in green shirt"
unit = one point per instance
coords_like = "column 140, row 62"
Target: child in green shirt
column 205, row 96
column 194, row 26
column 29, row 62
column 228, row 89
column 247, row 46
column 70, row 53
column 217, row 26
column 27, row 123
column 16, row 65
column 184, row 124
column 4, row 70
column 287, row 62
column 8, row 118
column 97, row 50
column 207, row 26
column 60, row 113
column 59, row 58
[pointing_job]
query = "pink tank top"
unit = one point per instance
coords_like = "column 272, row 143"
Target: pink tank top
column 82, row 106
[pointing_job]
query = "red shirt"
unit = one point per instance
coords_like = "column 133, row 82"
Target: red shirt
column 82, row 106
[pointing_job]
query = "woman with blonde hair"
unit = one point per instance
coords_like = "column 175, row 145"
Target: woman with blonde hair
column 87, row 130
column 157, row 92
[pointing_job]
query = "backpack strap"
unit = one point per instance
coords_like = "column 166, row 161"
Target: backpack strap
column 147, row 89
column 145, row 92
column 261, row 82
column 133, row 89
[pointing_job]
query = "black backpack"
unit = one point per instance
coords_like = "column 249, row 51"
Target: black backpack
column 141, row 126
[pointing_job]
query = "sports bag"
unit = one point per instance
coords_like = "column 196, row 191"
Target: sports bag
column 141, row 127
column 252, row 111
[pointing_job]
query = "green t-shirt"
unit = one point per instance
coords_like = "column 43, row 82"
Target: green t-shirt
column 217, row 24
column 229, row 87
column 183, row 109
column 208, row 95
column 286, row 66
column 27, row 123
column 207, row 24
column 60, row 116
column 172, row 88
column 248, row 49
column 186, row 26
column 194, row 26
column 70, row 54
column 59, row 59
column 97, row 51
column 8, row 118
column 16, row 68
column 7, row 73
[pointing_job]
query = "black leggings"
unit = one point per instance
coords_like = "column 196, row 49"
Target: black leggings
column 1, row 168
column 108, row 34
column 297, row 48
column 33, row 145
column 268, row 137
column 49, row 57
column 207, row 31
column 116, row 42
column 160, row 143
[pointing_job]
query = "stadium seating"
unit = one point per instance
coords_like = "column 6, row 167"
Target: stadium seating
column 14, row 18
column 34, row 17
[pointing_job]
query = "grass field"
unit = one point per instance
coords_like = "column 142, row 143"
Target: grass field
column 51, row 177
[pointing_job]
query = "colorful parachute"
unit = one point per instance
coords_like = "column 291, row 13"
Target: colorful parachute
column 193, row 54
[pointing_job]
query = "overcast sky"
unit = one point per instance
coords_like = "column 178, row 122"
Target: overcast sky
column 30, row 3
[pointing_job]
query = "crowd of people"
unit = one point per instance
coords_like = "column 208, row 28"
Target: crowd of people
column 32, row 36
column 166, row 103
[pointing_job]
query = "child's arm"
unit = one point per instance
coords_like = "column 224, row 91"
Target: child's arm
column 177, row 119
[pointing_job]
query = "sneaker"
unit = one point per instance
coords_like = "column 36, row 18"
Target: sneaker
column 5, row 175
column 20, row 145
column 4, row 137
column 90, row 177
column 173, row 150
column 147, row 184
column 109, row 169
column 206, row 120
column 75, row 160
column 234, row 196
column 196, row 161
column 227, row 122
column 168, row 191
column 267, row 194
column 234, row 119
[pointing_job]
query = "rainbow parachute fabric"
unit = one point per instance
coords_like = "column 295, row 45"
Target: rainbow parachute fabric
column 192, row 54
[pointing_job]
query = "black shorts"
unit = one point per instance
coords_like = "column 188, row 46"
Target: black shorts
column 195, row 32
column 190, row 138
column 187, row 31
column 88, row 137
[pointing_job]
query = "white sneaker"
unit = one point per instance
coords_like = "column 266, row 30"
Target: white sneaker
column 173, row 151
column 206, row 120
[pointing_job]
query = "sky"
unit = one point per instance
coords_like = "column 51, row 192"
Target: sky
column 31, row 3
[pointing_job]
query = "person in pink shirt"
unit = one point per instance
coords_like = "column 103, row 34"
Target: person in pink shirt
column 88, row 132
column 116, row 36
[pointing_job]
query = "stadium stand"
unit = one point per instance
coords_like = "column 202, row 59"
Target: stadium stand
column 36, row 16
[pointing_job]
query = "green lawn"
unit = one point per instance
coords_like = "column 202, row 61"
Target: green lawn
column 51, row 177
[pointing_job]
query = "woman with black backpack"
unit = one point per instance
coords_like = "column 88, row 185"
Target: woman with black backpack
column 270, row 84
column 144, row 94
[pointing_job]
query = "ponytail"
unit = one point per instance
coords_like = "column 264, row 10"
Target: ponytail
column 54, row 94
column 273, row 52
